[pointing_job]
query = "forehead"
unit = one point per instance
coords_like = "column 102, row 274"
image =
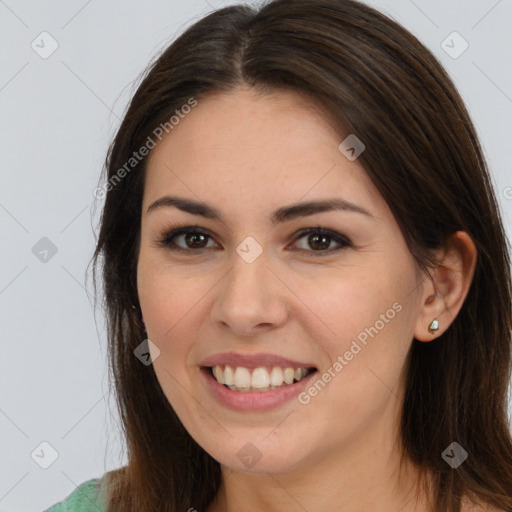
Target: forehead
column 252, row 150
column 242, row 119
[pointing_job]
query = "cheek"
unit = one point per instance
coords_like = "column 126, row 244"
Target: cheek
column 347, row 302
column 366, row 357
column 173, row 305
column 167, row 293
column 169, row 306
column 367, row 325
column 166, row 307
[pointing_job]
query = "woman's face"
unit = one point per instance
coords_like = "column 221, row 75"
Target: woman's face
column 345, row 302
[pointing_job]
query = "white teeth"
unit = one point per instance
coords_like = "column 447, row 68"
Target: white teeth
column 229, row 375
column 260, row 378
column 218, row 374
column 276, row 377
column 288, row 375
column 300, row 373
column 241, row 379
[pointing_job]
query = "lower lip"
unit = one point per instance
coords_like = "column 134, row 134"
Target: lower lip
column 253, row 401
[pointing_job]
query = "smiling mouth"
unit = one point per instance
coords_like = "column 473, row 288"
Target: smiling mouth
column 257, row 380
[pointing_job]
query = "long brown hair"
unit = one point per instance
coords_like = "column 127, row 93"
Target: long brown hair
column 422, row 154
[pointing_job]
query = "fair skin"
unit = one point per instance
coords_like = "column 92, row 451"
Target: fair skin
column 248, row 155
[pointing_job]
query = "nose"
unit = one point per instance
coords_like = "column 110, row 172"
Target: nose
column 250, row 298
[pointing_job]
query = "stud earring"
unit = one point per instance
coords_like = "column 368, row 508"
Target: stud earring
column 434, row 325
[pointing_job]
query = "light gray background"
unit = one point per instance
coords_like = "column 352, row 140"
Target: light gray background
column 58, row 115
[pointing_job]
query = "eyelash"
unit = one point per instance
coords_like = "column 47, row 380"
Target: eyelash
column 166, row 236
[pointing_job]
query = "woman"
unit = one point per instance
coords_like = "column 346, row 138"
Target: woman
column 306, row 276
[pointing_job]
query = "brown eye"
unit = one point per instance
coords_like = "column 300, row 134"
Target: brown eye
column 185, row 239
column 195, row 240
column 319, row 240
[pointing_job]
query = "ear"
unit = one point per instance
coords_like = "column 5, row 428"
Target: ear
column 444, row 294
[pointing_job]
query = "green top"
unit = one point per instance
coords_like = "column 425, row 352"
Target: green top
column 87, row 497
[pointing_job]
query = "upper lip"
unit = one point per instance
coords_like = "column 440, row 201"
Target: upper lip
column 252, row 360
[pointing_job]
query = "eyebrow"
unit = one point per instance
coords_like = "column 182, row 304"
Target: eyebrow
column 286, row 213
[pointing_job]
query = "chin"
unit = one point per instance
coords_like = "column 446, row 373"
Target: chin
column 259, row 457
